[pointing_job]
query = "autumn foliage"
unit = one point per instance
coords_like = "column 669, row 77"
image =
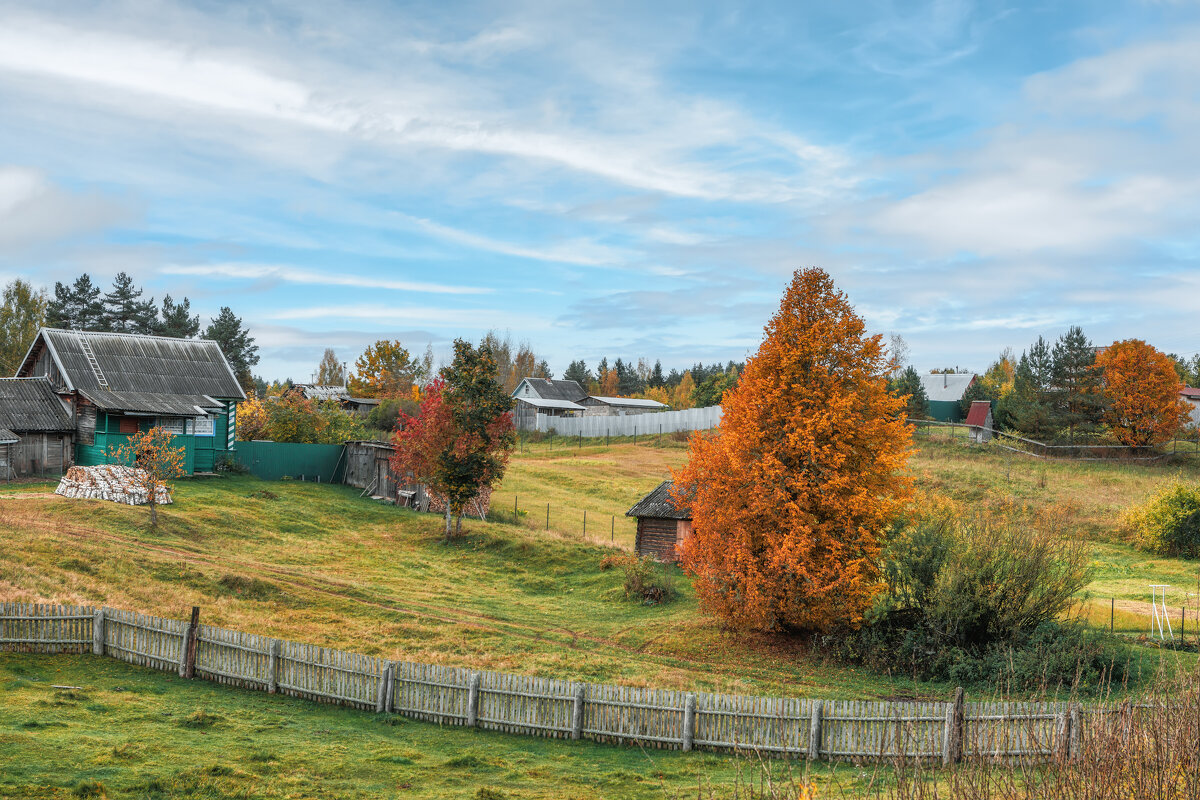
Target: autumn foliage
column 158, row 459
column 1141, row 386
column 791, row 495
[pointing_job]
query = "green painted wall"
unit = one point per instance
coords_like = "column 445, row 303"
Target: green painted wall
column 274, row 461
column 200, row 453
column 945, row 410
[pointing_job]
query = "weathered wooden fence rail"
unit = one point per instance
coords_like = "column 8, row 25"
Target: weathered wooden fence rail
column 842, row 730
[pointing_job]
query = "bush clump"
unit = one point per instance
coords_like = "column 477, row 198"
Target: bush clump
column 646, row 580
column 974, row 601
column 1169, row 522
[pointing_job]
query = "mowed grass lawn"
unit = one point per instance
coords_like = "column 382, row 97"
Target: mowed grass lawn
column 137, row 733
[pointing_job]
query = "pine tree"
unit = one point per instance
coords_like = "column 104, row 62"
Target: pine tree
column 177, row 319
column 656, row 380
column 908, row 385
column 125, row 311
column 1075, row 396
column 76, row 307
column 577, row 371
column 236, row 343
column 1028, row 406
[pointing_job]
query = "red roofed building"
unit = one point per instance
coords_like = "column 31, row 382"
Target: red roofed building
column 980, row 420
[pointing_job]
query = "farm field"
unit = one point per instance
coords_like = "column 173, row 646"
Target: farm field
column 316, row 563
column 142, row 733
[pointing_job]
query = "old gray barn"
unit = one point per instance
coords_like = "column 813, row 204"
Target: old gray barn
column 36, row 431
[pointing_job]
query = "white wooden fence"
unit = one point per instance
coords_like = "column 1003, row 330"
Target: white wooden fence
column 841, row 730
column 688, row 419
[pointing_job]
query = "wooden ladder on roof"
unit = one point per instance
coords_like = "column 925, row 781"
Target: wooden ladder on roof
column 95, row 365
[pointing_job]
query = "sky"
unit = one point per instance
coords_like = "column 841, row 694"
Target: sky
column 612, row 179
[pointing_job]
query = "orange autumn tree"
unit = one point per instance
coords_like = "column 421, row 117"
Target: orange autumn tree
column 1141, row 389
column 791, row 495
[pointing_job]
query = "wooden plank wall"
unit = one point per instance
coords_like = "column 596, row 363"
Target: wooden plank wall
column 847, row 730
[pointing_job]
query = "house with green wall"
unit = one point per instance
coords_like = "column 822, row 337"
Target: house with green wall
column 945, row 392
column 117, row 384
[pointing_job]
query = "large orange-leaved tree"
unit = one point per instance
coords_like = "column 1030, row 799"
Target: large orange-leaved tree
column 791, row 495
column 1141, row 387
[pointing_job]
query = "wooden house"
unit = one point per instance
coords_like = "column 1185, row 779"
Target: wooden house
column 357, row 406
column 549, row 397
column 36, row 431
column 116, row 384
column 944, row 391
column 662, row 525
column 1192, row 396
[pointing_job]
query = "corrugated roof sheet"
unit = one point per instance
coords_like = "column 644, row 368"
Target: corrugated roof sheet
column 8, row 437
column 1190, row 393
column 632, row 402
column 31, row 404
column 659, row 504
column 554, row 390
column 978, row 414
column 538, row 402
column 945, row 387
column 152, row 365
column 169, row 405
column 317, row 391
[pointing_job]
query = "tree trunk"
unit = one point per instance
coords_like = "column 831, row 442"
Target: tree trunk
column 150, row 498
column 447, row 519
column 458, row 524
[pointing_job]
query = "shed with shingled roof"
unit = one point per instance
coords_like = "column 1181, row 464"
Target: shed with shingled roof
column 663, row 524
column 36, row 431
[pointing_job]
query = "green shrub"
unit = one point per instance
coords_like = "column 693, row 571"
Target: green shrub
column 646, row 580
column 90, row 788
column 1169, row 522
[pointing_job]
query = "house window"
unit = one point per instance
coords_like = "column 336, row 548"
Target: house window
column 172, row 425
column 203, row 426
column 127, row 425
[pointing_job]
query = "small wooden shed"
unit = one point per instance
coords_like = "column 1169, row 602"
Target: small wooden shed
column 980, row 420
column 662, row 525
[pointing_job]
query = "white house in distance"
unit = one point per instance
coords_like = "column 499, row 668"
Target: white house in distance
column 1193, row 398
column 562, row 398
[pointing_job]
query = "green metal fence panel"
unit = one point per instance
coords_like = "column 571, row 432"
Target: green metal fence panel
column 273, row 461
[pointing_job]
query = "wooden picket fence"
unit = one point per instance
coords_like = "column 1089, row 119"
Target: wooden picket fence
column 840, row 730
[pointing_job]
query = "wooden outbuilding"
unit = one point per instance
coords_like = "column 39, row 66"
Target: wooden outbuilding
column 980, row 420
column 36, row 430
column 662, row 524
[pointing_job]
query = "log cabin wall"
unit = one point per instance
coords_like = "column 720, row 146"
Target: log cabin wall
column 658, row 538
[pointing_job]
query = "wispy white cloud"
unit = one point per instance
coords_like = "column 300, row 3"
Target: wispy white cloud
column 289, row 274
column 470, row 318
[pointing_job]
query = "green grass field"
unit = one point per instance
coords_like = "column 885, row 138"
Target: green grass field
column 136, row 733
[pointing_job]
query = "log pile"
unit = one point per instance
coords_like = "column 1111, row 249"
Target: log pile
column 113, row 482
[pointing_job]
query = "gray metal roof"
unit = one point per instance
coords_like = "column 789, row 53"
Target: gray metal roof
column 31, row 404
column 658, row 504
column 8, row 437
column 632, row 402
column 142, row 365
column 548, row 389
column 945, row 387
column 538, row 402
column 168, row 405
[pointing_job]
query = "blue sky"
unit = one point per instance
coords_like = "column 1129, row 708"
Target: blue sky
column 633, row 180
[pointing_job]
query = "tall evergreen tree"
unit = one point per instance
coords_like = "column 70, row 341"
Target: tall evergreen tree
column 177, row 319
column 908, row 384
column 1028, row 405
column 1075, row 394
column 236, row 343
column 76, row 307
column 124, row 309
column 656, row 380
column 577, row 371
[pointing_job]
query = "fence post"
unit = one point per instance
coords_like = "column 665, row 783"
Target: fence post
column 577, row 713
column 547, row 516
column 585, row 522
column 1074, row 751
column 689, row 722
column 98, row 632
column 473, row 701
column 814, row 730
column 187, row 654
column 952, row 739
column 1062, row 731
column 273, row 653
column 385, row 675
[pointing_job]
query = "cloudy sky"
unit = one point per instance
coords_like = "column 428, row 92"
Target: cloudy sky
column 613, row 179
